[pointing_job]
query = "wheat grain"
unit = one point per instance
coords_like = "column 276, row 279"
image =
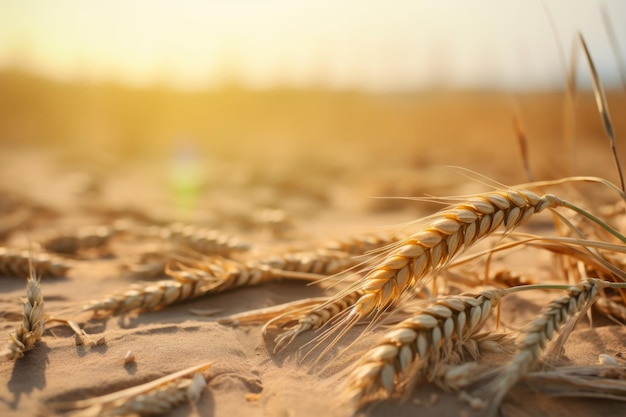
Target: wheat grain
column 33, row 323
column 560, row 311
column 155, row 397
column 420, row 343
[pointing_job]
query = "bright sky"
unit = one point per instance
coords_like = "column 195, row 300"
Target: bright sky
column 373, row 44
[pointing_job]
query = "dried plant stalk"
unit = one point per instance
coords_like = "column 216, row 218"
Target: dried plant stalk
column 560, row 311
column 33, row 323
column 419, row 343
column 17, row 263
column 156, row 397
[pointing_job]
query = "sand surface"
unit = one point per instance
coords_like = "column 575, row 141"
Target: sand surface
column 316, row 199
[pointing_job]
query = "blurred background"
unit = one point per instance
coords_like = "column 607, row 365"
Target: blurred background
column 218, row 95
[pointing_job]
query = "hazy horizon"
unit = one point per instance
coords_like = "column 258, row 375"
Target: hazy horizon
column 336, row 45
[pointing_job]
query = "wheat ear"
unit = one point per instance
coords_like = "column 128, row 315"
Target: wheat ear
column 148, row 296
column 33, row 323
column 296, row 322
column 17, row 263
column 155, row 397
column 560, row 311
column 205, row 241
column 83, row 238
column 420, row 343
column 193, row 281
column 448, row 232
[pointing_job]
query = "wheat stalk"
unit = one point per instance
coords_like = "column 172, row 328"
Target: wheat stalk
column 420, row 342
column 155, row 397
column 33, row 323
column 560, row 311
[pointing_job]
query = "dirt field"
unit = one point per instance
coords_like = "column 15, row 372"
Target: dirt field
column 280, row 171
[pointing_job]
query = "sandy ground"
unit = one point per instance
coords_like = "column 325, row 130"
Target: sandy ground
column 58, row 192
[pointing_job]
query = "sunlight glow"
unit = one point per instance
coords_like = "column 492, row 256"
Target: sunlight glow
column 339, row 44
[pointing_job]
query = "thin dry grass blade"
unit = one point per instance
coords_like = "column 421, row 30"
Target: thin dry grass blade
column 522, row 141
column 603, row 108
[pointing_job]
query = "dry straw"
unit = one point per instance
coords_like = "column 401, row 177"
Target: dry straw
column 33, row 323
